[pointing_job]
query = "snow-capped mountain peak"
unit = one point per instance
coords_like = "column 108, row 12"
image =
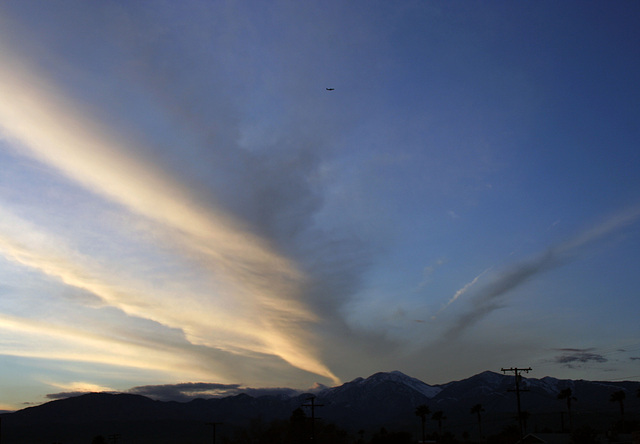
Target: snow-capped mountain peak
column 398, row 377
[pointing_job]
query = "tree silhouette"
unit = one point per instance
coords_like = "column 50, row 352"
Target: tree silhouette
column 298, row 416
column 477, row 409
column 619, row 398
column 422, row 411
column 298, row 424
column 566, row 394
column 439, row 416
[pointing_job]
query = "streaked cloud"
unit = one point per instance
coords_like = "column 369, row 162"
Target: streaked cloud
column 259, row 285
column 461, row 291
column 31, row 338
column 493, row 295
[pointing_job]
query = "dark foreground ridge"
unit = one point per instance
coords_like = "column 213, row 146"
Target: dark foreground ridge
column 381, row 408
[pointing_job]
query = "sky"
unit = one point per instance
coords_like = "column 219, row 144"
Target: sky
column 185, row 209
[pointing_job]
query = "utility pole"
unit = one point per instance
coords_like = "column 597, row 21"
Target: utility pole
column 515, row 370
column 213, row 425
column 313, row 406
column 114, row 438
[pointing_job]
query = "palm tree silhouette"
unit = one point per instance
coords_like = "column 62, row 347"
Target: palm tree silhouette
column 477, row 409
column 439, row 416
column 619, row 398
column 566, row 394
column 422, row 411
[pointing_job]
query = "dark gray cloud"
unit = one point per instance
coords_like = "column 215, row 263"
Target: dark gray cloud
column 187, row 391
column 64, row 395
column 571, row 357
column 190, row 390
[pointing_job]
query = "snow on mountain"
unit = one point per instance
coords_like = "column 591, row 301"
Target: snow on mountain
column 397, row 377
column 427, row 390
column 553, row 385
column 478, row 385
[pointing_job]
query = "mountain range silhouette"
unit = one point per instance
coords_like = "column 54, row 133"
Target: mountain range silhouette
column 386, row 400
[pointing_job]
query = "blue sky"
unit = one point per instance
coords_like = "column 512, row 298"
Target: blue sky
column 182, row 200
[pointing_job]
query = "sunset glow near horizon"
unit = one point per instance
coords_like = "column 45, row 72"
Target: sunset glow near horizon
column 182, row 199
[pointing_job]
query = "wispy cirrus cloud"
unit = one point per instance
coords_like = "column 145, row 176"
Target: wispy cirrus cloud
column 461, row 291
column 493, row 296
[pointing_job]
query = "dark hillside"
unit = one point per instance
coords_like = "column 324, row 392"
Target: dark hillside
column 384, row 400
